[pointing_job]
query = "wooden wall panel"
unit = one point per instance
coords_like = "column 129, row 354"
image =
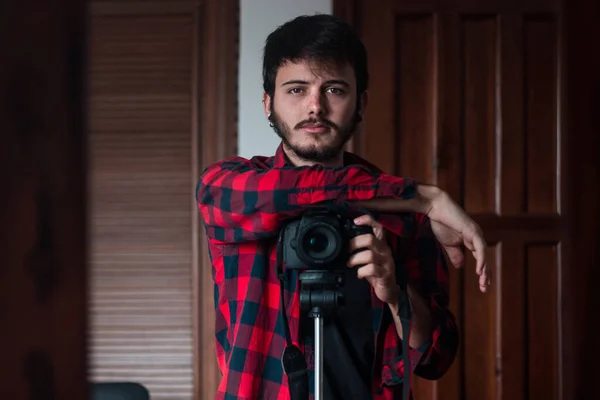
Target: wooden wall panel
column 466, row 93
column 43, row 201
column 479, row 339
column 580, row 146
column 542, row 321
column 510, row 284
column 416, row 105
column 385, row 149
column 449, row 151
column 478, row 82
column 540, row 53
column 513, row 183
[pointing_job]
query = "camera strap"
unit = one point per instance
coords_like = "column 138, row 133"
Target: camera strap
column 405, row 315
column 292, row 360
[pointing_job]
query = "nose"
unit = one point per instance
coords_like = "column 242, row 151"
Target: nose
column 316, row 103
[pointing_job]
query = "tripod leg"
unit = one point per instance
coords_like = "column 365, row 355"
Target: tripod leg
column 318, row 355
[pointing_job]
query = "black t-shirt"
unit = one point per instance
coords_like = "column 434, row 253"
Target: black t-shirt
column 348, row 344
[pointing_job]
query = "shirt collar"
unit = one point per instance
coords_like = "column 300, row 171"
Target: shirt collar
column 280, row 160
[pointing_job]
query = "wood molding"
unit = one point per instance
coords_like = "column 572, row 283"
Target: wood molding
column 215, row 121
column 579, row 293
column 146, row 7
column 347, row 10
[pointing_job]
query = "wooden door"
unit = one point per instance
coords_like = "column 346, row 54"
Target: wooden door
column 467, row 95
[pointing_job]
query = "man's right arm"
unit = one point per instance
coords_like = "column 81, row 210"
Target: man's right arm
column 241, row 200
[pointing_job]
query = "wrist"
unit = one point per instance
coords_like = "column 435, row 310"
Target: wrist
column 429, row 194
column 394, row 302
column 429, row 197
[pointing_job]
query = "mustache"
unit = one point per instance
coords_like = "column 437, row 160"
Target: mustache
column 321, row 121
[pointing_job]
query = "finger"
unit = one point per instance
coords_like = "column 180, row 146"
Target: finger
column 480, row 253
column 469, row 245
column 365, row 219
column 370, row 221
column 456, row 256
column 371, row 270
column 362, row 258
column 486, row 276
column 361, row 242
column 368, row 241
column 483, row 282
column 488, row 273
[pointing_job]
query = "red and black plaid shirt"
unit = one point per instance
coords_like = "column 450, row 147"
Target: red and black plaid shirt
column 243, row 204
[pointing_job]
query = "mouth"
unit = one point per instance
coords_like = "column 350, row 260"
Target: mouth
column 315, row 128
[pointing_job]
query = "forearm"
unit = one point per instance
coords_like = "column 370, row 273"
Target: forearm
column 422, row 322
column 422, row 202
column 240, row 201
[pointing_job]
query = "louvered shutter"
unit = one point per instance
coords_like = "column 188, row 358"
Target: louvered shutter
column 140, row 201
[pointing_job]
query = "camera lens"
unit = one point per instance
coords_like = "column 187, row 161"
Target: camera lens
column 320, row 244
column 317, row 242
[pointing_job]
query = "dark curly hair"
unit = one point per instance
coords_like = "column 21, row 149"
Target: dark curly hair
column 320, row 37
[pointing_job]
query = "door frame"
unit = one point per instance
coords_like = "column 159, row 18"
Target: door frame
column 215, row 137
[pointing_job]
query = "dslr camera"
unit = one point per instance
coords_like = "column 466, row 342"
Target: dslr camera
column 319, row 240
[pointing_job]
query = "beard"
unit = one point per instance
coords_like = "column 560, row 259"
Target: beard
column 316, row 153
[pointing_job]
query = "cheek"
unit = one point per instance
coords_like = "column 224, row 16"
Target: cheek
column 344, row 108
column 286, row 108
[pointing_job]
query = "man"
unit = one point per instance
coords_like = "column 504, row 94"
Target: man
column 315, row 92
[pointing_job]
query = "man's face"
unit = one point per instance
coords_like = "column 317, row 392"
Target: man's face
column 314, row 109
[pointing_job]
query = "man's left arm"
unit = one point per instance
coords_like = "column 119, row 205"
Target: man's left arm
column 433, row 338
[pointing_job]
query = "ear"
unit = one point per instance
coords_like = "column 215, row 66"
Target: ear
column 364, row 100
column 266, row 100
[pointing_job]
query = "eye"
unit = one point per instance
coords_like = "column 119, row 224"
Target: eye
column 295, row 90
column 336, row 90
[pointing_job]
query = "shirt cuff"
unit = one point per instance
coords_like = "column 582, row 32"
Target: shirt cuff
column 417, row 354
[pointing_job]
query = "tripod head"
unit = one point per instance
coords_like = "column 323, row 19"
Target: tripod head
column 321, row 289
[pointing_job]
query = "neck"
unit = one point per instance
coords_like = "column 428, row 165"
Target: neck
column 335, row 162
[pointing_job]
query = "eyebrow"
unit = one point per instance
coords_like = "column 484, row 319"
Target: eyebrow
column 329, row 82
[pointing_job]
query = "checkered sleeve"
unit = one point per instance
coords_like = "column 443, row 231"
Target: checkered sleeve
column 244, row 200
column 427, row 271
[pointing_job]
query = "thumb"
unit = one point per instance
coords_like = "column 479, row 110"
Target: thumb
column 455, row 255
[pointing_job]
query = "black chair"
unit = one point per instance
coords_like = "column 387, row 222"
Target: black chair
column 119, row 391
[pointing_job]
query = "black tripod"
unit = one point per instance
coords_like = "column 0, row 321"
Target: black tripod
column 320, row 292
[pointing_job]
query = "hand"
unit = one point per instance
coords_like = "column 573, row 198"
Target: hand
column 375, row 256
column 453, row 227
column 450, row 224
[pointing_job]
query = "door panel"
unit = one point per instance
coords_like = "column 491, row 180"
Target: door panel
column 465, row 95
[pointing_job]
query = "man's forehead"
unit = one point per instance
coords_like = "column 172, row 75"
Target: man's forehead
column 311, row 71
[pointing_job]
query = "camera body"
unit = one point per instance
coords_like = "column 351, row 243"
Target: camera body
column 319, row 240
